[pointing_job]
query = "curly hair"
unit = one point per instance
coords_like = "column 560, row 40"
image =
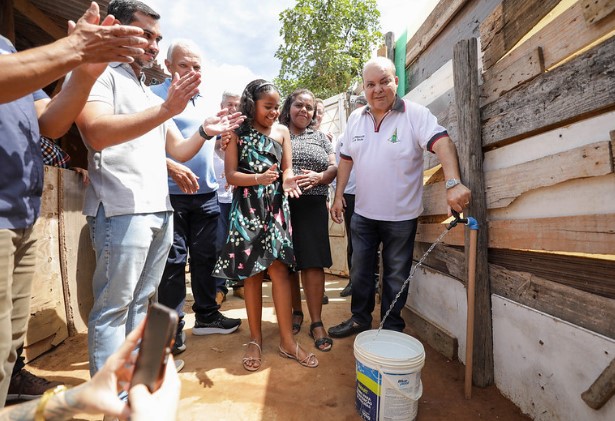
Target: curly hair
column 252, row 93
column 285, row 112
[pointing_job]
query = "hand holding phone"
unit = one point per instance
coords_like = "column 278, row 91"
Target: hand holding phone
column 155, row 346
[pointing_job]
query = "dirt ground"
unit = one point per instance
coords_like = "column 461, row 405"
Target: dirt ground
column 216, row 387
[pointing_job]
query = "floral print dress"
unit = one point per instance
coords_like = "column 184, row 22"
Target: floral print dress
column 259, row 220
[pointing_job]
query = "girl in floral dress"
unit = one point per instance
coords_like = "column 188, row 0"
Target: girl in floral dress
column 258, row 163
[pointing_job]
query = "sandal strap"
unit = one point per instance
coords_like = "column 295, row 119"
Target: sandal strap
column 315, row 325
column 323, row 341
column 254, row 343
column 309, row 360
column 298, row 313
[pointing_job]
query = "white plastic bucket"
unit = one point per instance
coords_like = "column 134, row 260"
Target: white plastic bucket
column 389, row 367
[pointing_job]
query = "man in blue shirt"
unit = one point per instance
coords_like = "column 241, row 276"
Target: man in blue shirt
column 26, row 112
column 192, row 190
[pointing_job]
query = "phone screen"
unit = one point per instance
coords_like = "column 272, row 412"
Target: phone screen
column 155, row 346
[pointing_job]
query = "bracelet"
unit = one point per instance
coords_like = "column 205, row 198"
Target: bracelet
column 203, row 134
column 256, row 179
column 39, row 415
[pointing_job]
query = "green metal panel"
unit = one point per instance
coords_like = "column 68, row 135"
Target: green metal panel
column 400, row 63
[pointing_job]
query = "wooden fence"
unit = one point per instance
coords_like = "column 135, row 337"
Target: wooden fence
column 527, row 91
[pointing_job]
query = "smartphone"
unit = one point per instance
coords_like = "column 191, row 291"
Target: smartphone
column 155, row 346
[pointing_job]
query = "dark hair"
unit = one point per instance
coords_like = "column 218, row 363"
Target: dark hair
column 124, row 10
column 285, row 113
column 252, row 93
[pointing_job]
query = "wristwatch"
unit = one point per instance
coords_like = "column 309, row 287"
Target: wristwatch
column 203, row 134
column 452, row 182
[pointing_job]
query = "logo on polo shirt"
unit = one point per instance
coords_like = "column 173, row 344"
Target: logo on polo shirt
column 393, row 139
column 358, row 138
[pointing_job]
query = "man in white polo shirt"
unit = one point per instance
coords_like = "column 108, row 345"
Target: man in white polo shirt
column 126, row 129
column 383, row 143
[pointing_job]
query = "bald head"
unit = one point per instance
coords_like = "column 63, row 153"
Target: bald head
column 183, row 56
column 380, row 84
column 380, row 63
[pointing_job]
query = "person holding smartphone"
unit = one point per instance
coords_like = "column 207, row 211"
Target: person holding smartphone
column 100, row 394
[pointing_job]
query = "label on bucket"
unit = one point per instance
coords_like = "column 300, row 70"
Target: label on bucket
column 387, row 396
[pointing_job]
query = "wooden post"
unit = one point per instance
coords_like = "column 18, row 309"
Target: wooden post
column 7, row 20
column 469, row 144
column 389, row 41
column 471, row 273
column 602, row 389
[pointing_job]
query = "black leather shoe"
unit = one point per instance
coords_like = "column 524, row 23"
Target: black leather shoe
column 347, row 290
column 347, row 328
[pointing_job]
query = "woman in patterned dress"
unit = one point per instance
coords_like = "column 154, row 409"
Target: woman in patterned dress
column 314, row 164
column 259, row 236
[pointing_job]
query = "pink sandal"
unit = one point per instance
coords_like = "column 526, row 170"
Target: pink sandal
column 309, row 361
column 252, row 363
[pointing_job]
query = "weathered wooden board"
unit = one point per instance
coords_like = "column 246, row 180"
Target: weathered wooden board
column 591, row 234
column 438, row 84
column 47, row 325
column 463, row 26
column 77, row 255
column 434, row 199
column 436, row 336
column 567, row 34
column 467, row 99
column 438, row 19
column 338, row 242
column 580, row 308
column 560, row 139
column 596, row 10
column 508, row 23
column 428, row 233
column 504, row 76
column 602, row 389
column 571, row 92
column 587, row 161
column 39, row 18
column 592, row 275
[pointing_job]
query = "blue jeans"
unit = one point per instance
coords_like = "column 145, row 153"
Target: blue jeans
column 221, row 234
column 195, row 220
column 130, row 256
column 397, row 239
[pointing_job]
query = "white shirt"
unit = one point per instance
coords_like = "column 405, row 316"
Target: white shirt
column 388, row 159
column 130, row 177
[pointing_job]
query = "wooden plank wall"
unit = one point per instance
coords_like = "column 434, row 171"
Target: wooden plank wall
column 62, row 287
column 47, row 326
column 548, row 133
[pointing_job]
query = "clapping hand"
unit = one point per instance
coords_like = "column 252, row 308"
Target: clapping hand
column 291, row 188
column 107, row 42
column 222, row 122
column 308, row 179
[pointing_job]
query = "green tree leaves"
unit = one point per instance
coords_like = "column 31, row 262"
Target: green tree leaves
column 325, row 44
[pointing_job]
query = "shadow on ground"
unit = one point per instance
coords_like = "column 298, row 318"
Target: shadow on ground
column 216, row 387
